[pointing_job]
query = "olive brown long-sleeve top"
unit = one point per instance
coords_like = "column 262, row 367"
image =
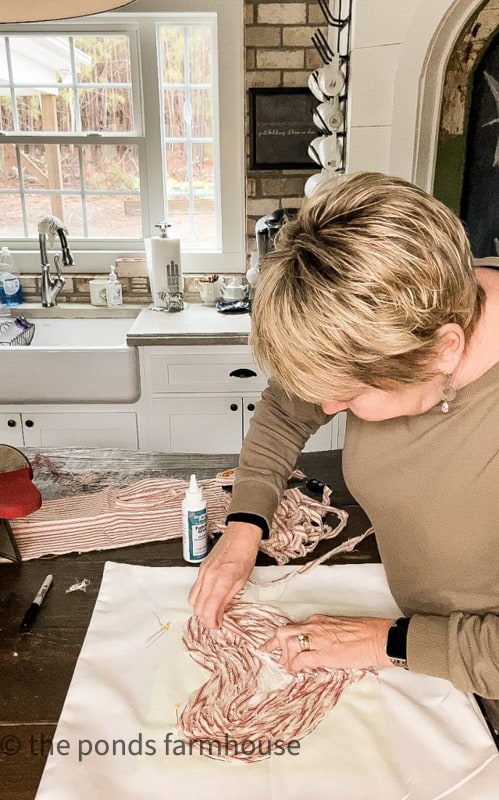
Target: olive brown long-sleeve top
column 430, row 486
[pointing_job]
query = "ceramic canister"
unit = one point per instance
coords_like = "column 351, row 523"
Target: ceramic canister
column 98, row 292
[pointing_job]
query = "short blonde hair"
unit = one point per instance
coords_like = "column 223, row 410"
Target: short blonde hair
column 359, row 285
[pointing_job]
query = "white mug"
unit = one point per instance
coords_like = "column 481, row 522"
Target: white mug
column 326, row 151
column 330, row 78
column 328, row 116
column 327, row 81
column 313, row 183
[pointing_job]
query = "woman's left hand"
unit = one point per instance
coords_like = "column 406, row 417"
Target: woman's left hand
column 335, row 642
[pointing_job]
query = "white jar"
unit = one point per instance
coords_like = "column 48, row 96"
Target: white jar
column 98, row 296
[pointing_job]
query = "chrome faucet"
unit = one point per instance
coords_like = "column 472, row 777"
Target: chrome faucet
column 48, row 227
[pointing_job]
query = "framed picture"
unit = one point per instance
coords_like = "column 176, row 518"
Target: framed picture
column 281, row 128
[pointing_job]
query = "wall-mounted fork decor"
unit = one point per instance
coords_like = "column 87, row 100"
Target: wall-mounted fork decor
column 329, row 85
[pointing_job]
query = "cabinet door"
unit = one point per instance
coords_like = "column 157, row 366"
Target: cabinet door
column 85, row 429
column 248, row 405
column 341, row 421
column 11, row 430
column 322, row 440
column 196, row 424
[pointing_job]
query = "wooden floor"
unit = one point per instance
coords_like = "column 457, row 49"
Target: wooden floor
column 36, row 668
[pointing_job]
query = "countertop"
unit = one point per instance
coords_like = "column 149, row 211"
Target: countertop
column 196, row 324
column 70, row 311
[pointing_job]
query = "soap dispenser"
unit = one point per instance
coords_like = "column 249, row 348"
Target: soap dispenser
column 114, row 295
column 11, row 291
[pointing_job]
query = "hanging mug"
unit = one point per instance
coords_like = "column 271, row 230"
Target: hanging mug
column 330, row 78
column 313, row 183
column 328, row 116
column 327, row 81
column 326, row 151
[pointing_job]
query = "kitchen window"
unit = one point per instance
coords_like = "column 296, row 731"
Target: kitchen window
column 119, row 121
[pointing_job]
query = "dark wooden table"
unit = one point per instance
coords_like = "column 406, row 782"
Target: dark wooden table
column 36, row 668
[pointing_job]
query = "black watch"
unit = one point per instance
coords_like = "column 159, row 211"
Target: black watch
column 396, row 642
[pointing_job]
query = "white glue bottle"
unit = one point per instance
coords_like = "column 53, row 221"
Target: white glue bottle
column 194, row 524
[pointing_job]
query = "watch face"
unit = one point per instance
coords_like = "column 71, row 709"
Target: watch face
column 398, row 662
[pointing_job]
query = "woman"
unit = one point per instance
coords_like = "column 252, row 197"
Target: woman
column 370, row 304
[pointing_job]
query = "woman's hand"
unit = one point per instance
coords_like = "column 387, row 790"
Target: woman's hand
column 335, row 642
column 225, row 571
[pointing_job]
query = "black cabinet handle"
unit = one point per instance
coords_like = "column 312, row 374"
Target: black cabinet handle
column 11, row 423
column 29, row 423
column 242, row 373
column 234, row 407
column 250, row 406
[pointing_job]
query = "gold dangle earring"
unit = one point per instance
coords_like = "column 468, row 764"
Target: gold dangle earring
column 447, row 394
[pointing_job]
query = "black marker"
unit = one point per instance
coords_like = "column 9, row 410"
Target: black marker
column 34, row 608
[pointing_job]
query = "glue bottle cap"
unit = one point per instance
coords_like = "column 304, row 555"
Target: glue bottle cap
column 194, row 491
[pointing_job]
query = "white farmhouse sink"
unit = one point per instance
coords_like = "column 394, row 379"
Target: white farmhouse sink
column 101, row 333
column 72, row 360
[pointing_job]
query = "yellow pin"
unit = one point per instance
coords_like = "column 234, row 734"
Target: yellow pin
column 164, row 627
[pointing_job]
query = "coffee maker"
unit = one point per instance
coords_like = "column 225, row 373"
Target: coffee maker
column 268, row 226
column 266, row 229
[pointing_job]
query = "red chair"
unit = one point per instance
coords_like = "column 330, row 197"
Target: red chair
column 18, row 497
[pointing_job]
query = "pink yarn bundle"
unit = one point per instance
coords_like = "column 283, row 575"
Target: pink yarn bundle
column 250, row 706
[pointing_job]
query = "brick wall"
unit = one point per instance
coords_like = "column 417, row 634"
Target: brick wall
column 77, row 290
column 279, row 53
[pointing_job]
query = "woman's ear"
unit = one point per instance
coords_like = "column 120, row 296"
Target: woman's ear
column 450, row 348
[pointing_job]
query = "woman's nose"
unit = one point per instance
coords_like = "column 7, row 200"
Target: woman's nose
column 333, row 406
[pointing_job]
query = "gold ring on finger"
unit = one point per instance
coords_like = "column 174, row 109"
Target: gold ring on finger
column 304, row 642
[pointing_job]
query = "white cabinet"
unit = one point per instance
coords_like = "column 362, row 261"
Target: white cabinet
column 11, row 430
column 201, row 399
column 206, row 424
column 62, row 428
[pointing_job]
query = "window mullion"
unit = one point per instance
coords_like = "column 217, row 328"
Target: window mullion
column 83, row 192
column 137, row 93
column 188, row 121
column 76, row 105
column 15, row 120
column 217, row 134
column 151, row 177
column 62, row 138
column 22, row 188
column 15, row 123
